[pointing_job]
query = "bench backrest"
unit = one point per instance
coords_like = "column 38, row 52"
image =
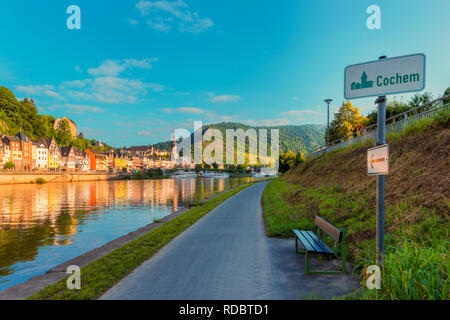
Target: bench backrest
column 328, row 228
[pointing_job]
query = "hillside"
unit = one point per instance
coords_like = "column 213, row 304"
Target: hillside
column 294, row 138
column 336, row 187
column 23, row 115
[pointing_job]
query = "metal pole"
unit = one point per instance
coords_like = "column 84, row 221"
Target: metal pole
column 328, row 124
column 381, row 139
column 328, row 101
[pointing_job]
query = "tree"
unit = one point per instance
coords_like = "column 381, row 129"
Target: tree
column 64, row 135
column 81, row 144
column 299, row 158
column 9, row 165
column 446, row 93
column 346, row 121
column 242, row 167
column 81, row 135
column 287, row 161
column 420, row 99
column 199, row 166
column 23, row 115
column 393, row 108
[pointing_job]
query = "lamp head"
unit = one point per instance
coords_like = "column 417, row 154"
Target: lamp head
column 328, row 101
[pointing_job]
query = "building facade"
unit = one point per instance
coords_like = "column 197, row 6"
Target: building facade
column 41, row 156
column 15, row 151
column 72, row 124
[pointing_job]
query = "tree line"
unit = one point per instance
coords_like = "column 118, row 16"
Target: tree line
column 348, row 121
column 22, row 115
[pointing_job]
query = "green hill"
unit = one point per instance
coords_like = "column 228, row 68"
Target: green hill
column 292, row 137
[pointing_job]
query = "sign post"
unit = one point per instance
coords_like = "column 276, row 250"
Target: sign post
column 381, row 140
column 379, row 78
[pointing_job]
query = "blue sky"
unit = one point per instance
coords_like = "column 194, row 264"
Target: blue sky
column 138, row 69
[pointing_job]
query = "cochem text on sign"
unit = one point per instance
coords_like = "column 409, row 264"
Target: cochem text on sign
column 386, row 76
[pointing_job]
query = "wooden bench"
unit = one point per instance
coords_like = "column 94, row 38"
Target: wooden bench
column 312, row 243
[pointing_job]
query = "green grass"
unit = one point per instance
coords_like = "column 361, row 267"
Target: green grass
column 417, row 268
column 413, row 272
column 416, row 264
column 100, row 275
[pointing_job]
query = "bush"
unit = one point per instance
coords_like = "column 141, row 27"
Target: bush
column 411, row 271
column 9, row 165
column 40, row 181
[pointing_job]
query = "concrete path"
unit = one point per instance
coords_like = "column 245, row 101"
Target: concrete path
column 226, row 255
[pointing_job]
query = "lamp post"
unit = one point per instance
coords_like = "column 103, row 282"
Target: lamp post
column 328, row 101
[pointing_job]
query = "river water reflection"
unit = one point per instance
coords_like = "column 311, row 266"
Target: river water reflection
column 42, row 226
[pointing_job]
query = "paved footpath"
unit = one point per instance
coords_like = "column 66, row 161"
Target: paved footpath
column 226, row 255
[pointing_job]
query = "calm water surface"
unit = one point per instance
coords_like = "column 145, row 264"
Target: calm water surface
column 42, row 226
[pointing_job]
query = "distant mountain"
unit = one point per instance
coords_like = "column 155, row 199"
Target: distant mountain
column 292, row 137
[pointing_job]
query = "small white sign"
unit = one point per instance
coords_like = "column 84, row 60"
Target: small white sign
column 386, row 76
column 378, row 160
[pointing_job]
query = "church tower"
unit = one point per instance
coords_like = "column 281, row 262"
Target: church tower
column 174, row 154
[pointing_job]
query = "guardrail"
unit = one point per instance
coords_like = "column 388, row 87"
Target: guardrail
column 395, row 123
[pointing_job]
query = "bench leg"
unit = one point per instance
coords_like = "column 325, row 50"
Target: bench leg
column 296, row 245
column 343, row 257
column 331, row 272
column 306, row 263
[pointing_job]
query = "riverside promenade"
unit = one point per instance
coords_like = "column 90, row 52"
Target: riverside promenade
column 226, row 255
column 15, row 177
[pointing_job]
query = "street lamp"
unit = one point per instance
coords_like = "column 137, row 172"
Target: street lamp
column 328, row 101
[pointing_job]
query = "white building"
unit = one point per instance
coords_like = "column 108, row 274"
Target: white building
column 81, row 160
column 41, row 156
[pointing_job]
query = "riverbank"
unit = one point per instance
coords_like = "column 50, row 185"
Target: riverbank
column 117, row 259
column 227, row 256
column 49, row 177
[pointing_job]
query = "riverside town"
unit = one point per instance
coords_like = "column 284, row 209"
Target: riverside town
column 225, row 159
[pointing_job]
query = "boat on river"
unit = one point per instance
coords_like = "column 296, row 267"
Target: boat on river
column 209, row 174
column 183, row 174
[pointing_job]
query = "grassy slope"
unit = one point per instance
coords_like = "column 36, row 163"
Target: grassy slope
column 336, row 187
column 100, row 275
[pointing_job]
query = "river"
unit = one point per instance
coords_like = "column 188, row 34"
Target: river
column 42, row 226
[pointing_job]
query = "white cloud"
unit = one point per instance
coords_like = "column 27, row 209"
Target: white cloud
column 39, row 89
column 107, row 86
column 165, row 14
column 147, row 133
column 82, row 108
column 46, row 89
column 159, row 26
column 132, row 21
column 184, row 110
column 300, row 113
column 53, row 94
column 111, row 89
column 225, row 98
column 115, row 67
column 268, row 122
